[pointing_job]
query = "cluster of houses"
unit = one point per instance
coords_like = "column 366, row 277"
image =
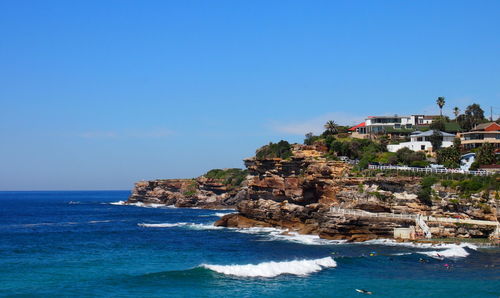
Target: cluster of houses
column 416, row 129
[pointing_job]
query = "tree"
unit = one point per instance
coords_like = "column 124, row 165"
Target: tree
column 331, row 127
column 406, row 156
column 486, row 154
column 450, row 157
column 437, row 124
column 307, row 140
column 436, row 140
column 472, row 116
column 440, row 102
column 282, row 150
column 456, row 112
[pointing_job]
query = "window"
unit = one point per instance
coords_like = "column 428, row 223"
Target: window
column 422, row 147
column 409, row 126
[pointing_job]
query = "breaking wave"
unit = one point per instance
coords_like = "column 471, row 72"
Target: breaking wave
column 452, row 251
column 272, row 269
column 141, row 204
column 440, row 250
column 274, row 234
column 188, row 225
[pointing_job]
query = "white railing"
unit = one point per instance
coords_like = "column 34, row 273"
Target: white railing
column 338, row 210
column 425, row 228
column 429, row 170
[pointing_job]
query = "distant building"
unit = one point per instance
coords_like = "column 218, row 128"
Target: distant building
column 482, row 133
column 395, row 126
column 420, row 141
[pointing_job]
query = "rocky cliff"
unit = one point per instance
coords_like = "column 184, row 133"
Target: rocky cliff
column 298, row 192
column 201, row 192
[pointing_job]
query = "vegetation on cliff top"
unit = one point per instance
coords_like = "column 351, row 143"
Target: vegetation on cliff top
column 282, row 149
column 229, row 177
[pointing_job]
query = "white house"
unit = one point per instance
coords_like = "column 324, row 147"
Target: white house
column 382, row 124
column 420, row 141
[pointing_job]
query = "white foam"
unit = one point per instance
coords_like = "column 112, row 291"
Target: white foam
column 162, row 225
column 272, row 269
column 187, row 225
column 441, row 250
column 99, row 221
column 141, row 204
column 305, row 239
column 452, row 251
column 275, row 234
column 221, row 214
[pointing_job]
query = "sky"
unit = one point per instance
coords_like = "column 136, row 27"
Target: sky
column 96, row 95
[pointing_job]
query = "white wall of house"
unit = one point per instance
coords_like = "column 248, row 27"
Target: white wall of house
column 417, row 138
column 416, row 146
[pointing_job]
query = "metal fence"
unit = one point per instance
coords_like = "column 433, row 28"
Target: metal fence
column 430, row 170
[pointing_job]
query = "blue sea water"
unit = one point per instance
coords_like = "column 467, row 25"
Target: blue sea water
column 78, row 244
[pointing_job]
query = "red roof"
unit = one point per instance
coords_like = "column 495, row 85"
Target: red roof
column 362, row 124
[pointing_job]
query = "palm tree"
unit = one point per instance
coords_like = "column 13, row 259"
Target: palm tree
column 456, row 112
column 440, row 102
column 331, row 127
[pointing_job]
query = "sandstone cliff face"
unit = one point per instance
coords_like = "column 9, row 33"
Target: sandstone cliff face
column 297, row 194
column 201, row 192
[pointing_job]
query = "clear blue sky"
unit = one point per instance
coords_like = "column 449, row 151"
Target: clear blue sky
column 99, row 94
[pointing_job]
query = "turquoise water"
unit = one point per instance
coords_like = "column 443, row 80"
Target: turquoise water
column 78, row 244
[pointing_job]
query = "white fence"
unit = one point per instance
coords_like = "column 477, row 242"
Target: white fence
column 338, row 210
column 430, row 170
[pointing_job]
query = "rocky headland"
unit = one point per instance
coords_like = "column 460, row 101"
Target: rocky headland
column 297, row 193
column 209, row 191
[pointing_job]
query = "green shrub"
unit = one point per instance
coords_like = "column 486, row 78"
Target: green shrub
column 425, row 192
column 428, row 181
column 473, row 185
column 406, row 156
column 355, row 148
column 311, row 139
column 230, row 177
column 191, row 189
column 386, row 158
column 424, row 196
column 419, row 163
column 282, row 149
column 446, row 183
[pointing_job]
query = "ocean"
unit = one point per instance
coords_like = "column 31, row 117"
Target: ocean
column 87, row 243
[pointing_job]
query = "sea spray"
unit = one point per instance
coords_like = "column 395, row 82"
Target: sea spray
column 272, row 269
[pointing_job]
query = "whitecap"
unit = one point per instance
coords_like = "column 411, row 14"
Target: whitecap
column 272, row 269
column 141, row 204
column 276, row 234
column 452, row 251
column 194, row 226
column 440, row 250
column 99, row 221
column 162, row 225
column 119, row 203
